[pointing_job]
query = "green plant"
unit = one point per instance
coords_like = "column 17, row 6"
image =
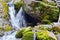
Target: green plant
column 52, row 3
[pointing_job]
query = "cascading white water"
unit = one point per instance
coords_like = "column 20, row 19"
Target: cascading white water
column 12, row 13
column 16, row 21
column 9, row 37
column 34, row 35
column 20, row 18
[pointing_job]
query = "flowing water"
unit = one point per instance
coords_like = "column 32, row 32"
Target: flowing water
column 16, row 22
column 34, row 35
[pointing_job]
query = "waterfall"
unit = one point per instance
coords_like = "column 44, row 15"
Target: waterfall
column 20, row 18
column 34, row 34
column 17, row 21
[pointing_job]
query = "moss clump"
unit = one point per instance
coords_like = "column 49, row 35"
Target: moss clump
column 18, row 5
column 43, row 35
column 7, row 28
column 1, row 29
column 46, row 21
column 20, row 33
column 28, row 36
column 27, row 30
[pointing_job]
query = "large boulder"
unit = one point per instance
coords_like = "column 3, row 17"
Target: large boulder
column 45, row 12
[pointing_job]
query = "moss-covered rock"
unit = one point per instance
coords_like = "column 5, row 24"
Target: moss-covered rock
column 8, row 28
column 21, row 32
column 45, row 12
column 56, row 30
column 43, row 35
column 28, row 36
column 27, row 30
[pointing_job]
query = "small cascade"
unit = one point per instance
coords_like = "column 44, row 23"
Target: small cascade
column 20, row 18
column 34, row 35
column 9, row 37
column 17, row 20
column 59, row 19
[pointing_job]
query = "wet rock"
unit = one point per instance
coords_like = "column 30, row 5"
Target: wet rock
column 1, row 33
column 52, row 35
column 58, row 37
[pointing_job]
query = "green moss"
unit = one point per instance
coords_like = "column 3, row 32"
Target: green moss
column 52, row 3
column 43, row 35
column 1, row 29
column 18, row 5
column 46, row 21
column 27, row 30
column 7, row 28
column 48, row 11
column 19, row 34
column 28, row 36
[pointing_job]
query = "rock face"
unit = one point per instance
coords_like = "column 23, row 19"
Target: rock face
column 3, row 21
column 27, row 2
